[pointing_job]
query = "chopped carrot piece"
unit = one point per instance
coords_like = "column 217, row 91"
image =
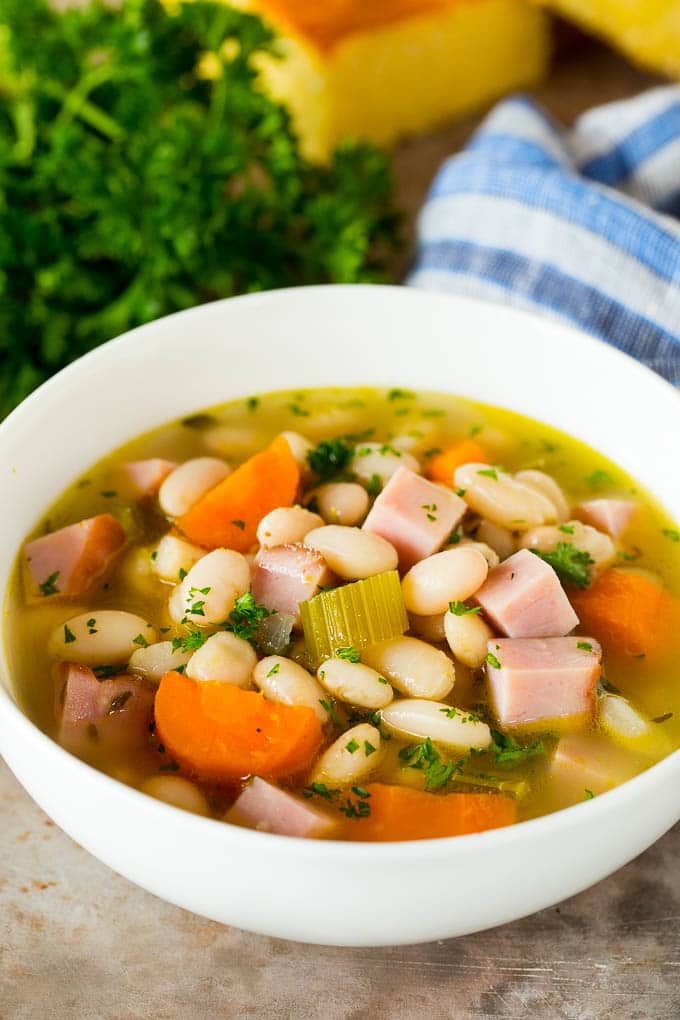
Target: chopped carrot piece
column 219, row 732
column 398, row 812
column 228, row 515
column 441, row 467
column 629, row 613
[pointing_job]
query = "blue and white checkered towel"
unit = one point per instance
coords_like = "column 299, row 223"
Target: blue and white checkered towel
column 577, row 224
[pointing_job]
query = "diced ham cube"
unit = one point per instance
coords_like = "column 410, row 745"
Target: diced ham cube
column 415, row 515
column 283, row 576
column 95, row 716
column 610, row 515
column 267, row 808
column 523, row 597
column 588, row 762
column 68, row 561
column 141, row 479
column 538, row 681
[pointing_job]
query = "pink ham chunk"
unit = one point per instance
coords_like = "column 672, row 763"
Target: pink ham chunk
column 588, row 761
column 96, row 716
column 523, row 597
column 415, row 515
column 283, row 576
column 610, row 515
column 68, row 561
column 141, row 479
column 267, row 808
column 534, row 682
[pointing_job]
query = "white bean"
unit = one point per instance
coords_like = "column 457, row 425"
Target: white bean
column 287, row 683
column 500, row 539
column 631, row 728
column 429, row 628
column 136, row 570
column 490, row 555
column 355, row 683
column 233, row 441
column 381, row 459
column 414, row 718
column 352, row 553
column 187, row 483
column 467, row 637
column 342, row 503
column 596, row 543
column 300, row 446
column 177, row 791
column 539, row 481
column 503, row 500
column 351, row 758
column 207, row 594
column 175, row 556
column 450, row 576
column 102, row 637
column 414, row 667
column 224, row 657
column 156, row 660
column 286, row 524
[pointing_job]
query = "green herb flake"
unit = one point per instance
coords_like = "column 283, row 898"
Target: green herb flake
column 568, row 529
column 584, row 646
column 189, row 642
column 246, row 616
column 109, row 494
column 599, row 478
column 349, row 654
column 276, row 668
column 69, row 636
column 104, row 672
column 397, row 394
column 369, row 749
column 49, row 585
column 182, row 573
column 252, row 404
column 460, row 609
column 154, row 555
column 671, row 533
column 489, row 473
column 352, row 746
column 474, row 430
column 239, row 524
column 321, row 790
column 569, row 563
column 329, row 706
column 91, row 625
column 374, row 485
column 492, row 660
column 508, row 753
column 141, row 641
column 588, row 794
column 329, row 458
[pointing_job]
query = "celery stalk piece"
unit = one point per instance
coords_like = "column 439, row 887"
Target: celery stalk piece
column 357, row 614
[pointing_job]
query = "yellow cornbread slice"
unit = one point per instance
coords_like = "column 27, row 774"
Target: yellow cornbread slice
column 648, row 31
column 382, row 69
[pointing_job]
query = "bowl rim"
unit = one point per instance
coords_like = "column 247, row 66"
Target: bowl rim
column 609, row 802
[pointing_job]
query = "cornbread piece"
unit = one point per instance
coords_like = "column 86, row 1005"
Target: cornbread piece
column 381, row 69
column 648, row 31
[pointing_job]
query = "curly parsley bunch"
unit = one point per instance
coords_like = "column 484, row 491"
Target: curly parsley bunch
column 142, row 171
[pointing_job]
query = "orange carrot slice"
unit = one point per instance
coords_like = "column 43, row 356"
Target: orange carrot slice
column 441, row 467
column 228, row 516
column 630, row 613
column 398, row 812
column 219, row 732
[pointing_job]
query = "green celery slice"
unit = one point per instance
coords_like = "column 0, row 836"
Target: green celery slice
column 357, row 614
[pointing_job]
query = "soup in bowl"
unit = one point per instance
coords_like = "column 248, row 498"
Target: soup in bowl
column 364, row 613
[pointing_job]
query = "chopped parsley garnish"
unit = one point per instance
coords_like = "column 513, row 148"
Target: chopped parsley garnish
column 397, row 394
column 507, row 752
column 330, row 457
column 198, row 608
column 474, row 431
column 359, row 808
column 634, row 554
column 492, row 660
column 671, row 533
column 141, row 641
column 489, row 473
column 460, row 609
column 568, row 529
column 182, row 573
column 329, row 706
column 300, row 412
column 103, row 672
column 118, row 702
column 430, row 509
column 154, row 555
column 432, row 452
column 382, row 680
column 387, row 449
column 109, row 493
column 588, row 794
column 69, row 636
column 369, row 749
column 190, row 642
column 252, row 404
column 432, row 412
column 246, row 616
column 454, row 538
column 321, row 790
column 352, row 746
column 239, row 524
column 449, row 712
column 349, row 654
column 49, row 585
column 569, row 563
column 584, row 646
column 599, row 478
column 374, row 485
column 426, row 758
column 461, row 493
column 91, row 625
column 274, row 670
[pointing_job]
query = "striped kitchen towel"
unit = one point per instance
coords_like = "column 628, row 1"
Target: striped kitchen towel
column 580, row 224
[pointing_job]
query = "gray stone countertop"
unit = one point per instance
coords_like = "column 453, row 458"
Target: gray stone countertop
column 78, row 942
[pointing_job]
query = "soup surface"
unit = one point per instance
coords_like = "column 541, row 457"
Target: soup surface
column 354, row 614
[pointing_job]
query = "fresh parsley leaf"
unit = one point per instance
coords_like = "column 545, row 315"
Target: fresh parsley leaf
column 568, row 529
column 329, row 705
column 69, row 636
column 584, row 646
column 671, row 533
column 49, row 585
column 352, row 746
column 330, row 457
column 508, row 753
column 460, row 609
column 321, row 790
column 369, row 749
column 141, row 641
column 489, row 473
column 397, row 394
column 245, row 617
column 569, row 563
column 492, row 660
column 189, row 642
column 599, row 478
column 349, row 654
column 374, row 485
column 274, row 670
column 588, row 794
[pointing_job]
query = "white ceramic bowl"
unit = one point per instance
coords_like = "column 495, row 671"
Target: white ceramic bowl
column 337, row 893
